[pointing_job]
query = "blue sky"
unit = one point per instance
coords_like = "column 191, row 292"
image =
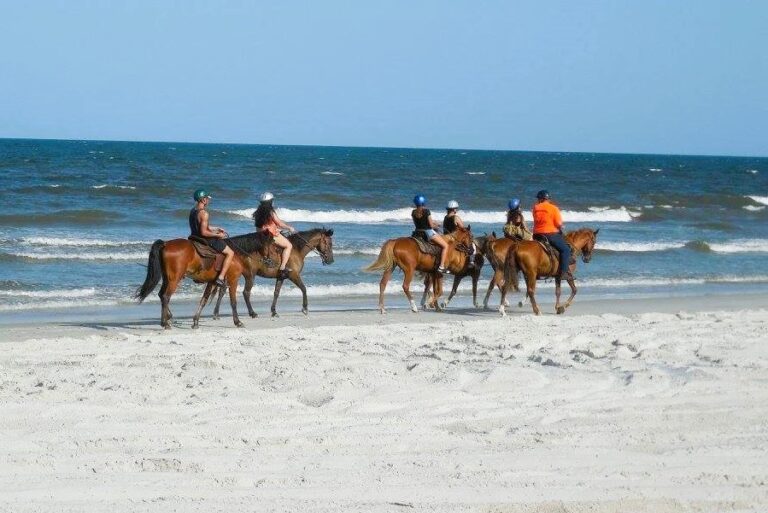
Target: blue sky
column 613, row 76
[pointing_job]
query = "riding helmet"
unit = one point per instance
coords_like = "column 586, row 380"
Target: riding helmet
column 542, row 194
column 267, row 196
column 452, row 205
column 200, row 194
column 514, row 204
column 419, row 200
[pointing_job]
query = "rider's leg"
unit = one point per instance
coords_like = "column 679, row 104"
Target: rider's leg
column 440, row 241
column 285, row 244
column 558, row 241
column 228, row 255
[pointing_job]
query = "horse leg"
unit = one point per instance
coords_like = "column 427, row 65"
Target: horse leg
column 438, row 292
column 407, row 277
column 232, row 286
column 427, row 284
column 165, row 299
column 456, row 280
column 491, row 285
column 475, row 277
column 559, row 309
column 572, row 284
column 247, row 296
column 383, row 287
column 304, row 304
column 278, row 286
column 221, row 291
column 530, row 283
column 203, row 300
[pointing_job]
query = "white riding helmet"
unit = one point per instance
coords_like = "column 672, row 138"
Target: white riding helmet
column 267, row 196
column 452, row 204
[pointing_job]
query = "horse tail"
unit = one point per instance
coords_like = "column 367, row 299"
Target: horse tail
column 511, row 269
column 386, row 259
column 154, row 271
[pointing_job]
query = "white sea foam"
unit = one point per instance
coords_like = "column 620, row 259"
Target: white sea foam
column 753, row 208
column 752, row 171
column 475, row 172
column 63, row 305
column 83, row 256
column 64, row 293
column 759, row 199
column 333, row 173
column 105, row 185
column 741, row 246
column 403, row 216
column 54, row 185
column 70, row 242
column 654, row 169
column 639, row 246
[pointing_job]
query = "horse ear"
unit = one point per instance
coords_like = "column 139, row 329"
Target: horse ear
column 493, row 233
column 329, row 232
column 469, row 227
column 597, row 231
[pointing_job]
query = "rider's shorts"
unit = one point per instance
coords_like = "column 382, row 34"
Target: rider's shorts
column 430, row 233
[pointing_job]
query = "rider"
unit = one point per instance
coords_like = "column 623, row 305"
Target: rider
column 422, row 220
column 266, row 220
column 451, row 221
column 548, row 223
column 199, row 227
column 516, row 227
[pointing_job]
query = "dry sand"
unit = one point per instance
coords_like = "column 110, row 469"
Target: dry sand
column 650, row 412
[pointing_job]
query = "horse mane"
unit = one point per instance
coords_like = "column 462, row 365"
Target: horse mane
column 254, row 241
column 580, row 231
column 300, row 239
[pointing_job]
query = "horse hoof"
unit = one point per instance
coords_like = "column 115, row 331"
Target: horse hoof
column 520, row 304
column 239, row 324
column 274, row 314
column 216, row 317
column 382, row 311
column 560, row 310
column 253, row 315
column 443, row 305
column 195, row 325
column 502, row 311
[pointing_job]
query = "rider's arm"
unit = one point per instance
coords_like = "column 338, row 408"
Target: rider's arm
column 558, row 220
column 206, row 230
column 459, row 222
column 433, row 224
column 280, row 223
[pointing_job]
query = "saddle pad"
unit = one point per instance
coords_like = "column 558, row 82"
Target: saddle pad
column 427, row 247
column 204, row 250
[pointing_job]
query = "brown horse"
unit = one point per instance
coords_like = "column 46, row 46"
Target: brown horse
column 473, row 272
column 176, row 259
column 496, row 250
column 317, row 239
column 404, row 253
column 534, row 262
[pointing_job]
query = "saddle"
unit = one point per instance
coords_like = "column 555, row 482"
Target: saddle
column 553, row 254
column 425, row 246
column 209, row 256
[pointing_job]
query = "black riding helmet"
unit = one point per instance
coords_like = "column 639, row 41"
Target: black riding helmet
column 542, row 194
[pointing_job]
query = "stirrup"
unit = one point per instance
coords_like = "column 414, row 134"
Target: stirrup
column 220, row 283
column 443, row 270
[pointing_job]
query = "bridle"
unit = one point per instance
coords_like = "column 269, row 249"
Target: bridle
column 323, row 257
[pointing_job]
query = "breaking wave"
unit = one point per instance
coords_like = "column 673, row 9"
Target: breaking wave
column 403, row 216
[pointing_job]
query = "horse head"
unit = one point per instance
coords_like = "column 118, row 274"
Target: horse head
column 584, row 241
column 325, row 246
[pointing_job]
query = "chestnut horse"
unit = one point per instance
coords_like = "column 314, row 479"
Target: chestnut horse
column 404, row 253
column 176, row 259
column 534, row 262
column 316, row 239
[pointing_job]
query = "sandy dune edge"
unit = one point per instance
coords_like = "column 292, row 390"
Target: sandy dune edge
column 649, row 412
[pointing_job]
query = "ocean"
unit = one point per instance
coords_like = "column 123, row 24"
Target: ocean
column 78, row 217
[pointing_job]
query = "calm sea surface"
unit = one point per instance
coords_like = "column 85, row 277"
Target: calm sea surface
column 78, row 217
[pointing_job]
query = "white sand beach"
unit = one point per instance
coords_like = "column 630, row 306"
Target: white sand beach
column 610, row 408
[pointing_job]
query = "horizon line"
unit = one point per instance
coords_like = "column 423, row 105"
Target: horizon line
column 425, row 148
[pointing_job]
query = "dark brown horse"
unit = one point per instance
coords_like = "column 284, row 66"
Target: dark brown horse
column 473, row 272
column 176, row 259
column 404, row 253
column 265, row 265
column 534, row 262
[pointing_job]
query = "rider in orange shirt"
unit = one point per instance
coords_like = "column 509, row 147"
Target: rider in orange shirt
column 548, row 224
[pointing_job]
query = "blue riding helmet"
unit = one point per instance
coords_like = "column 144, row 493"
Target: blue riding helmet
column 542, row 194
column 514, row 204
column 419, row 200
column 200, row 194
